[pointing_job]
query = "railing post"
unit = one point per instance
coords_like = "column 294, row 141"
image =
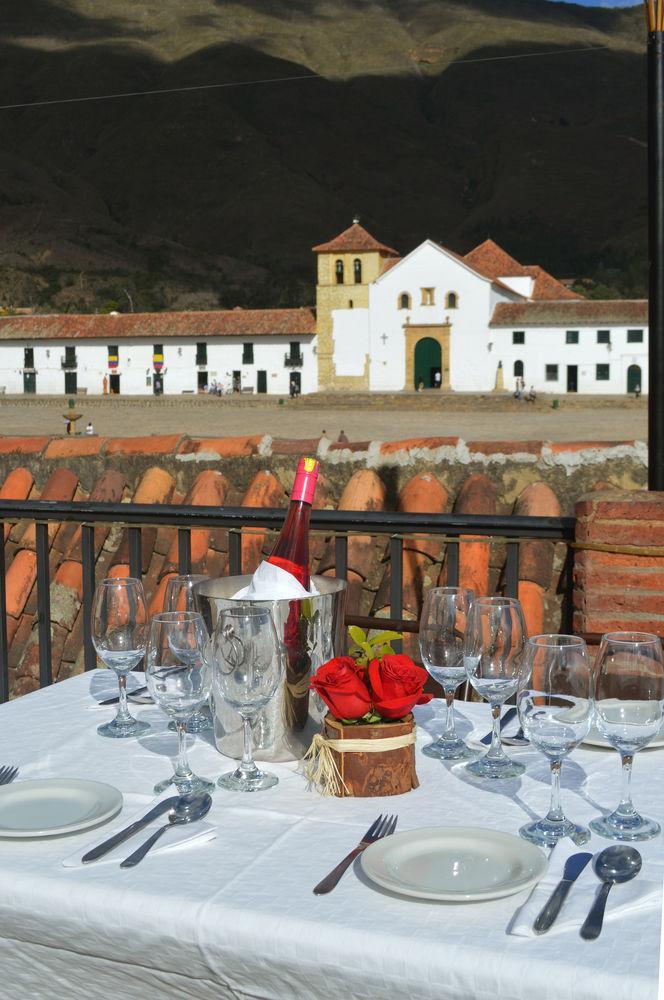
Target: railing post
column 396, row 583
column 452, row 556
column 341, row 557
column 88, row 566
column 184, row 551
column 135, row 556
column 43, row 605
column 512, row 570
column 235, row 552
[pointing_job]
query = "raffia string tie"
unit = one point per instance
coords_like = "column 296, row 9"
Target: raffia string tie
column 320, row 767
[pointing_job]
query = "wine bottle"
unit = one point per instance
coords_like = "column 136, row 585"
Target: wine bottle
column 291, row 550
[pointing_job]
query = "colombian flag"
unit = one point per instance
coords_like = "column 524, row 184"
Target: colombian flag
column 112, row 361
column 158, row 362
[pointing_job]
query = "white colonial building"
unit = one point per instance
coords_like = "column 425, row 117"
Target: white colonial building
column 384, row 323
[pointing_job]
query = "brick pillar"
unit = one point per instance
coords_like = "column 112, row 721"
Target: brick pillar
column 619, row 591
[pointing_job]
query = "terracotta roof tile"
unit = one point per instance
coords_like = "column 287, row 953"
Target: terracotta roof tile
column 494, row 262
column 230, row 447
column 23, row 445
column 547, row 287
column 264, row 490
column 75, row 447
column 355, row 239
column 571, row 313
column 161, row 326
column 209, row 490
column 156, row 444
column 20, row 579
column 476, row 496
column 409, row 444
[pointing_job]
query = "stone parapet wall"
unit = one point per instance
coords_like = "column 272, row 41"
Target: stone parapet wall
column 619, row 565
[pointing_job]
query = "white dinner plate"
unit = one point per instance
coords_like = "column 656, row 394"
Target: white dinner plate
column 55, row 806
column 454, row 864
column 595, row 739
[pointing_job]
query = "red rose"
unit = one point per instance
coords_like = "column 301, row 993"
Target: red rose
column 397, row 685
column 340, row 685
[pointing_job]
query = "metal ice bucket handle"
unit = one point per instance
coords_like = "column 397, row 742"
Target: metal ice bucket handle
column 312, row 631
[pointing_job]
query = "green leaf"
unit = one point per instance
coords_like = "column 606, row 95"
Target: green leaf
column 357, row 634
column 349, row 722
column 385, row 637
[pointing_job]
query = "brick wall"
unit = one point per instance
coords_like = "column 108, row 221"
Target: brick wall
column 620, row 590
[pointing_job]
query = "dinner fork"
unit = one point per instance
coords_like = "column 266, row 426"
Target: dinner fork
column 382, row 827
column 7, row 774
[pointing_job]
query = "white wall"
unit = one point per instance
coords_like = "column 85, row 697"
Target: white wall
column 180, row 372
column 350, row 333
column 546, row 345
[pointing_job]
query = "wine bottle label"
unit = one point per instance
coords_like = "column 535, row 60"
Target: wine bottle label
column 304, row 486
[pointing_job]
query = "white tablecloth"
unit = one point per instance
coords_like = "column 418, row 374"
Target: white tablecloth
column 236, row 917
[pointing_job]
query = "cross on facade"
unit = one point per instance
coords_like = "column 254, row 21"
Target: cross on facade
column 384, row 339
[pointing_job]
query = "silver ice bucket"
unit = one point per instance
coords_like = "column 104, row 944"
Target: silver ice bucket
column 312, row 631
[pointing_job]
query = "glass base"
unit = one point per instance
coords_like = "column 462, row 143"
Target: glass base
column 123, row 731
column 546, row 832
column 448, row 749
column 184, row 785
column 495, row 767
column 621, row 826
column 200, row 722
column 239, row 781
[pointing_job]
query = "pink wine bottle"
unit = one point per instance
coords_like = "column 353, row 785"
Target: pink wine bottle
column 291, row 550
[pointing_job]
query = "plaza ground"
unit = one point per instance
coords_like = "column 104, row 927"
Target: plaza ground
column 361, row 417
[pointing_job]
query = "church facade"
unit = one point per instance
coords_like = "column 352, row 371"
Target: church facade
column 382, row 323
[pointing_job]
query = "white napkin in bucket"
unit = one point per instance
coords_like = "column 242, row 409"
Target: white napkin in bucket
column 178, row 836
column 272, row 583
column 640, row 893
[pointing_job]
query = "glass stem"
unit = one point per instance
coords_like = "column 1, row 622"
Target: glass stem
column 182, row 768
column 496, row 748
column 625, row 806
column 555, row 813
column 247, row 764
column 450, row 731
column 123, row 715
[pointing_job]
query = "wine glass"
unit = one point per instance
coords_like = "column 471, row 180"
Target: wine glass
column 119, row 635
column 442, row 628
column 180, row 596
column 493, row 658
column 555, row 701
column 248, row 666
column 629, row 687
column 178, row 679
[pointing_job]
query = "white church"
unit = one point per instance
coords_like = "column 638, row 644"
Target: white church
column 431, row 320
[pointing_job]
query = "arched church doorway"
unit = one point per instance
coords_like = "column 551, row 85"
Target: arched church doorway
column 634, row 378
column 428, row 363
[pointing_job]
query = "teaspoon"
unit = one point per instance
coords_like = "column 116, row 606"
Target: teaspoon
column 187, row 809
column 613, row 864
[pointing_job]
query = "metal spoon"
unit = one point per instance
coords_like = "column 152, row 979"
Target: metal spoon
column 187, row 809
column 613, row 864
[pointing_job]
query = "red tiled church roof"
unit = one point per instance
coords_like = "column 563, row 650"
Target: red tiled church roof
column 545, row 286
column 494, row 262
column 572, row 312
column 159, row 326
column 355, row 239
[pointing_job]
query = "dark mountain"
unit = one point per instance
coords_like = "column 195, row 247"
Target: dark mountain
column 454, row 119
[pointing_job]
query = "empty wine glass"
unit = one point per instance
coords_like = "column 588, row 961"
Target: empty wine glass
column 442, row 628
column 555, row 701
column 178, row 679
column 493, row 658
column 247, row 659
column 629, row 687
column 119, row 634
column 181, row 596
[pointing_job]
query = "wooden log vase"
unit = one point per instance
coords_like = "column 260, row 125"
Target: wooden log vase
column 383, row 772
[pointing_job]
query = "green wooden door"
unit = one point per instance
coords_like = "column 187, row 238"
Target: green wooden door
column 634, row 378
column 428, row 360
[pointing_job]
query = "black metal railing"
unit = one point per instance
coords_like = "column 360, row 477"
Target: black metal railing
column 293, row 360
column 340, row 525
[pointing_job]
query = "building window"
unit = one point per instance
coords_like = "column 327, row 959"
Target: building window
column 357, row 271
column 635, row 336
column 518, row 337
column 518, row 369
column 452, row 300
column 339, row 272
column 603, row 336
column 572, row 337
column 247, row 354
column 29, row 357
column 551, row 373
column 350, row 303
column 404, row 301
column 201, row 353
column 294, row 351
column 602, row 373
column 428, row 297
column 69, row 360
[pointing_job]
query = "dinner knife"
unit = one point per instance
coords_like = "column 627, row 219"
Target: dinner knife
column 116, row 698
column 507, row 717
column 573, row 868
column 119, row 838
